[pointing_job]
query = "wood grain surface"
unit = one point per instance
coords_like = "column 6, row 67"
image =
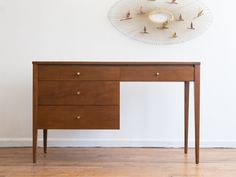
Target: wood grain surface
column 62, row 90
column 90, row 117
column 78, row 72
column 165, row 73
column 90, row 93
column 102, row 63
column 116, row 162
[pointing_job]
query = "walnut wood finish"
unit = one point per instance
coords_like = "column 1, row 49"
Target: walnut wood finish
column 92, row 63
column 35, row 111
column 78, row 72
column 78, row 117
column 78, row 93
column 45, row 137
column 197, row 111
column 57, row 103
column 157, row 73
column 186, row 115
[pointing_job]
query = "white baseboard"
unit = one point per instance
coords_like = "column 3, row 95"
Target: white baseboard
column 24, row 142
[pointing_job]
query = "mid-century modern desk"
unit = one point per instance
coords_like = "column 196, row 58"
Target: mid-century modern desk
column 85, row 95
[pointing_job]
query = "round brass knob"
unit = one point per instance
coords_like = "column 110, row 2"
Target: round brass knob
column 157, row 74
column 78, row 93
column 78, row 73
column 78, row 117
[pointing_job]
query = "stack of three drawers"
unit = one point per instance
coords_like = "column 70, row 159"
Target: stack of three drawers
column 78, row 97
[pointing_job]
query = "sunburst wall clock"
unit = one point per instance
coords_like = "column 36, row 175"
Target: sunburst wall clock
column 160, row 21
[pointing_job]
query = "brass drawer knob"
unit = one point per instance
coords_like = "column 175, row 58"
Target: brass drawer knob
column 78, row 73
column 78, row 93
column 157, row 74
column 78, row 117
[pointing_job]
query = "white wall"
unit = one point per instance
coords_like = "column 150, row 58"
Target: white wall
column 79, row 30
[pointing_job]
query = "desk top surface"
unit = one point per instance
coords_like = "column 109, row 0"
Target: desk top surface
column 112, row 63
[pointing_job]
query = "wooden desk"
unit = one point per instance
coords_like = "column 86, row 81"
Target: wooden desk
column 85, row 95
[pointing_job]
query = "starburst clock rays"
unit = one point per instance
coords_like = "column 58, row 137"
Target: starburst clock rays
column 160, row 21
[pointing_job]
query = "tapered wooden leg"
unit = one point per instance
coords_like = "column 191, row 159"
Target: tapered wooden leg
column 35, row 111
column 35, row 138
column 197, row 111
column 45, row 137
column 186, row 115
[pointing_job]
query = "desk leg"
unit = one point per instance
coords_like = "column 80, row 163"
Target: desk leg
column 197, row 111
column 35, row 111
column 186, row 115
column 45, row 137
column 35, row 138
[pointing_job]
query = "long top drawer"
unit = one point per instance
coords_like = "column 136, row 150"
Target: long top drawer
column 78, row 72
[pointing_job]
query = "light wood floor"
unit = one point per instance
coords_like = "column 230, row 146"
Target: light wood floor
column 117, row 162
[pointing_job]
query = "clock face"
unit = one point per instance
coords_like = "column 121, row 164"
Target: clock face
column 160, row 21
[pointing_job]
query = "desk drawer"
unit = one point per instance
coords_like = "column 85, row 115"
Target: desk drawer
column 78, row 93
column 158, row 73
column 78, row 72
column 78, row 117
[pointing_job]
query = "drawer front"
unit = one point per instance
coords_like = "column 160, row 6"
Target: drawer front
column 78, row 72
column 78, row 117
column 159, row 73
column 78, row 93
